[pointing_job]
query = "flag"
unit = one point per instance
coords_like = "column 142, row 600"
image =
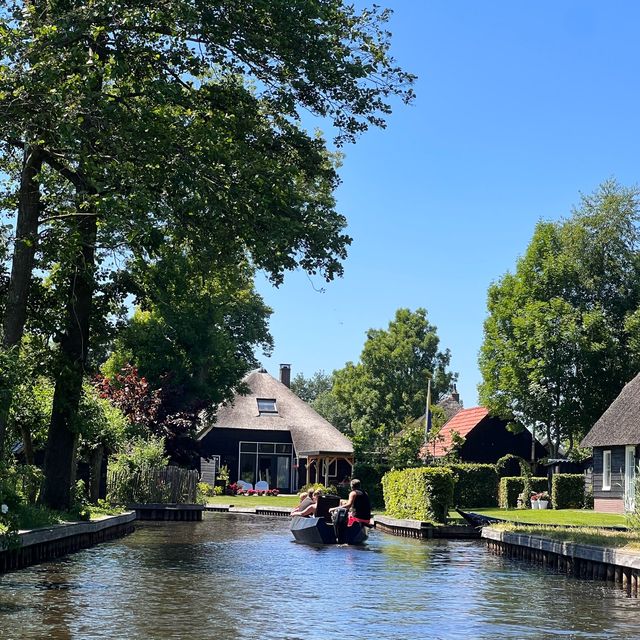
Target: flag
column 427, row 414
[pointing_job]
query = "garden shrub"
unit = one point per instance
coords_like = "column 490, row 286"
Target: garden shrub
column 568, row 491
column 424, row 493
column 511, row 487
column 476, row 485
column 510, row 465
column 371, row 478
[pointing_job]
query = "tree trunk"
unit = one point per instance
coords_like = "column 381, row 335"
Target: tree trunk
column 59, row 458
column 27, row 441
column 95, row 471
column 21, row 268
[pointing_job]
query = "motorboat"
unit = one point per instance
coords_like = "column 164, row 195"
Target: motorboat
column 328, row 527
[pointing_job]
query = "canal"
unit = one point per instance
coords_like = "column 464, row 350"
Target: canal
column 234, row 576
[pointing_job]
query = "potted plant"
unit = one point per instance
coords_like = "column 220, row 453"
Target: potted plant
column 534, row 501
column 543, row 500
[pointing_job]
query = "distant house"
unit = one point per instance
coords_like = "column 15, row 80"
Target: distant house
column 450, row 403
column 272, row 435
column 486, row 438
column 615, row 438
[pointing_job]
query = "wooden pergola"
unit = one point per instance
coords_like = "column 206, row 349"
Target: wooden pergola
column 321, row 461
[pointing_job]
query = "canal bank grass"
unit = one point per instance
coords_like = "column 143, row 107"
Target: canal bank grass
column 255, row 501
column 568, row 517
column 622, row 540
column 32, row 516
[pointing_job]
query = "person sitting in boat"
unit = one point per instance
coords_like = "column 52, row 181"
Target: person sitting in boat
column 306, row 500
column 358, row 504
column 310, row 509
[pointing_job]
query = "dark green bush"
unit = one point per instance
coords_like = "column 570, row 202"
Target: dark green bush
column 424, row 493
column 371, row 478
column 568, row 491
column 512, row 486
column 476, row 485
column 511, row 464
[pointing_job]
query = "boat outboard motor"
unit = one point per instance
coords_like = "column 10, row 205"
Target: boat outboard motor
column 339, row 518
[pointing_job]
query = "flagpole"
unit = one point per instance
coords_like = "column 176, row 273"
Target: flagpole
column 427, row 413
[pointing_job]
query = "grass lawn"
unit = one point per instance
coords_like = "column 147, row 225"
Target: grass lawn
column 255, row 501
column 573, row 517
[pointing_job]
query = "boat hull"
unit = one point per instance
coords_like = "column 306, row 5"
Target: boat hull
column 319, row 531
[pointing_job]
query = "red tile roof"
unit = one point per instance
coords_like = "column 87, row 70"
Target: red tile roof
column 463, row 423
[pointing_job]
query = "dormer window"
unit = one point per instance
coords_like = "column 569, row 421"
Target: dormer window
column 267, row 406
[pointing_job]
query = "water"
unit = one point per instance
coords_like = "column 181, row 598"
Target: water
column 240, row 577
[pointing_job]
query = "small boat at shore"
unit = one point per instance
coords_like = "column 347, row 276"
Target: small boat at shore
column 326, row 527
column 477, row 519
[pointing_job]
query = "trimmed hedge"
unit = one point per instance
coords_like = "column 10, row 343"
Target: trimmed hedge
column 512, row 486
column 476, row 485
column 371, row 478
column 423, row 493
column 568, row 491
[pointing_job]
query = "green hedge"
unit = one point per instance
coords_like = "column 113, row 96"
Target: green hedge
column 476, row 485
column 512, row 486
column 424, row 493
column 371, row 478
column 568, row 491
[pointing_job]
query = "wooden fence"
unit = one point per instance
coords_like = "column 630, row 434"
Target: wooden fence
column 167, row 485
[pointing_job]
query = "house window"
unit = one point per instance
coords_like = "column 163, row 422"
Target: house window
column 269, row 462
column 267, row 405
column 606, row 470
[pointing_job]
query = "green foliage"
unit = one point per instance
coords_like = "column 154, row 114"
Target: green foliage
column 387, row 388
column 511, row 463
column 308, row 389
column 565, row 322
column 568, row 491
column 196, row 330
column 370, row 475
column 331, row 489
column 9, row 500
column 139, row 453
column 476, row 485
column 404, row 446
column 424, row 494
column 204, row 491
column 510, row 488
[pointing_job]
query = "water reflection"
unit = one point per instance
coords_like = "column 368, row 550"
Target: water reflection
column 238, row 577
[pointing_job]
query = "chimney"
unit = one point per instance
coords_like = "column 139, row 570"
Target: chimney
column 454, row 393
column 285, row 374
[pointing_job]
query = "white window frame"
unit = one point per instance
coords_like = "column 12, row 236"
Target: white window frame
column 606, row 470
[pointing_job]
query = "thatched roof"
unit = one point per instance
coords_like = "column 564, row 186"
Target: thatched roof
column 620, row 423
column 310, row 432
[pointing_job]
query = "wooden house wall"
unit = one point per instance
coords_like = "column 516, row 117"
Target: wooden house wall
column 617, row 473
column 226, row 444
column 490, row 440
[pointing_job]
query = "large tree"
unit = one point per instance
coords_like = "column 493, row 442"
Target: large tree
column 143, row 113
column 387, row 388
column 193, row 337
column 559, row 337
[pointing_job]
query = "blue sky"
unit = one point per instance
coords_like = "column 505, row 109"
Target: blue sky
column 520, row 107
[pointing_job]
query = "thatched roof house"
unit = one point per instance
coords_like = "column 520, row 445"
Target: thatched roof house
column 620, row 423
column 615, row 438
column 270, row 434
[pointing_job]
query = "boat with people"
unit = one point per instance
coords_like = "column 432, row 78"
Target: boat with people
column 329, row 525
